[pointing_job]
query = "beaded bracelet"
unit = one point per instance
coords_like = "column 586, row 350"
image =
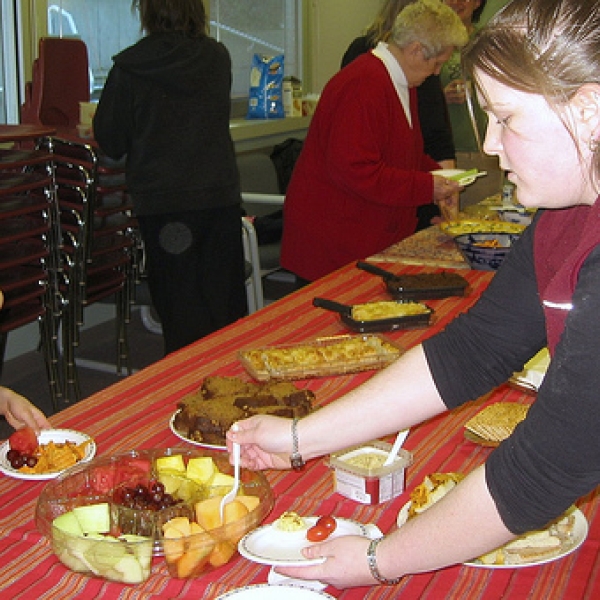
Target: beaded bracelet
column 372, row 560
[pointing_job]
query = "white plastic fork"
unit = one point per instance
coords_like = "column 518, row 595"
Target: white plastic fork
column 236, row 484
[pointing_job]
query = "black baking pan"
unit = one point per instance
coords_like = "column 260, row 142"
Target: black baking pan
column 420, row 286
column 374, row 325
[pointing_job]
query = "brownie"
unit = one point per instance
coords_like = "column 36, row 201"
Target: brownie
column 206, row 415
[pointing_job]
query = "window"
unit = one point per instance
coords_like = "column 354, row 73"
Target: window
column 267, row 27
column 8, row 65
column 244, row 26
column 106, row 26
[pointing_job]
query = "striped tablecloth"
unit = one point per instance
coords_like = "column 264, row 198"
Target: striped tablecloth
column 430, row 247
column 135, row 413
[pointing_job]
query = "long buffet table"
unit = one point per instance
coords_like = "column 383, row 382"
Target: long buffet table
column 135, row 413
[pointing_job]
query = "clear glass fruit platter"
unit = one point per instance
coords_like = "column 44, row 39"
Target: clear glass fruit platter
column 115, row 517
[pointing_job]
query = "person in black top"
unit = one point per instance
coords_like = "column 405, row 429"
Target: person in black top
column 433, row 112
column 166, row 105
column 536, row 67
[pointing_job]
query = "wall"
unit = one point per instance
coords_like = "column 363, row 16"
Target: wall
column 331, row 26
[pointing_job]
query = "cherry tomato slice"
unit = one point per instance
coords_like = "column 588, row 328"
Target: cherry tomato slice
column 328, row 523
column 317, row 534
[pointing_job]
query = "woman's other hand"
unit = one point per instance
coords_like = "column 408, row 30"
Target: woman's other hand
column 345, row 565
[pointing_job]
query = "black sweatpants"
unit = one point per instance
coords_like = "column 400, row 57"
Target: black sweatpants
column 195, row 268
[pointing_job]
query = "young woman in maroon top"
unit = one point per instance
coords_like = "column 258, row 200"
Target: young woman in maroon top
column 536, row 66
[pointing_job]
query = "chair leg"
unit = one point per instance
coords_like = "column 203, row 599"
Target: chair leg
column 148, row 320
column 51, row 360
column 122, row 306
column 72, row 390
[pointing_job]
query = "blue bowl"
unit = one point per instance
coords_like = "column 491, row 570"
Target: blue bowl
column 482, row 257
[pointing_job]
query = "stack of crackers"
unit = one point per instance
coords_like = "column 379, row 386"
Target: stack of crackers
column 497, row 421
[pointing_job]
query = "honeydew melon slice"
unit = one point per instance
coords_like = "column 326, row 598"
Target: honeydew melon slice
column 93, row 518
column 68, row 523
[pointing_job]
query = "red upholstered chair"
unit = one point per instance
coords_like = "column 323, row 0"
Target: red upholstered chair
column 60, row 81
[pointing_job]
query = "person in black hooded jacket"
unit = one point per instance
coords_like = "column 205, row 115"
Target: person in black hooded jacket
column 166, row 106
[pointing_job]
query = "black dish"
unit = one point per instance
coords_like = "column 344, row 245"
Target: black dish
column 375, row 325
column 421, row 286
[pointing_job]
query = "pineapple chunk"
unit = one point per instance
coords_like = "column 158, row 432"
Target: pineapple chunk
column 221, row 484
column 170, row 463
column 201, row 469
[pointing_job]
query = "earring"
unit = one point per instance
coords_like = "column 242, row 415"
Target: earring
column 594, row 145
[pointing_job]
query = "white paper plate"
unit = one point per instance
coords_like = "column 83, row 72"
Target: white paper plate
column 454, row 174
column 580, row 532
column 269, row 545
column 265, row 591
column 532, row 376
column 46, row 436
column 186, row 439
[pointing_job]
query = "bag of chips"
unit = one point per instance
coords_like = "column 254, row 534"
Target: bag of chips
column 266, row 88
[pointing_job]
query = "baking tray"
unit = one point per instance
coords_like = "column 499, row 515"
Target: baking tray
column 420, row 286
column 335, row 355
column 376, row 325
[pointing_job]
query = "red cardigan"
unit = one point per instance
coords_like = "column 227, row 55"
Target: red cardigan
column 360, row 177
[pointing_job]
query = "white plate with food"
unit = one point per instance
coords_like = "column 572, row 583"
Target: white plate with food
column 264, row 591
column 271, row 545
column 462, row 177
column 535, row 548
column 531, row 377
column 86, row 445
column 188, row 440
column 540, row 547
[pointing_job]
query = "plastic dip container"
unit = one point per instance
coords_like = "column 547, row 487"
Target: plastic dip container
column 358, row 475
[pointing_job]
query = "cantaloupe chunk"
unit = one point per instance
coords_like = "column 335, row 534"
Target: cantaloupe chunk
column 208, row 512
column 250, row 502
column 196, row 554
column 222, row 553
column 173, row 544
column 181, row 523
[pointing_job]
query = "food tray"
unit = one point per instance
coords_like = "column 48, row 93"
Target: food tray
column 322, row 357
column 392, row 324
column 104, row 479
column 407, row 321
column 419, row 286
column 427, row 286
column 456, row 228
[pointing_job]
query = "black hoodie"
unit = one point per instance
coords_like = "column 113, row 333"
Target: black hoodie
column 166, row 105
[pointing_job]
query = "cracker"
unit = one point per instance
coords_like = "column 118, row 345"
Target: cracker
column 497, row 421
